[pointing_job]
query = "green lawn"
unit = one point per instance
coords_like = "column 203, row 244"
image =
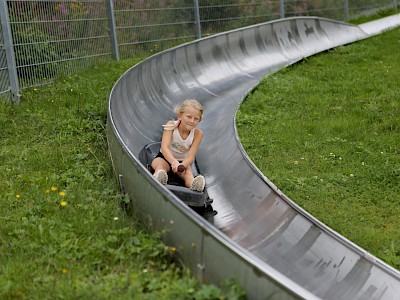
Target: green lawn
column 326, row 131
column 327, row 135
column 63, row 234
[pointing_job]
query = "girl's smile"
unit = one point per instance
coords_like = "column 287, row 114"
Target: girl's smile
column 189, row 118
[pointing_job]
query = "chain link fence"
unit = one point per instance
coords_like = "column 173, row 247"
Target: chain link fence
column 4, row 79
column 42, row 40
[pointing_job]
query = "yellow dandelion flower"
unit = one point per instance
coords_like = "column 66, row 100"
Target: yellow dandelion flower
column 63, row 203
column 173, row 249
column 47, row 191
column 17, row 196
column 54, row 188
column 61, row 194
column 64, row 270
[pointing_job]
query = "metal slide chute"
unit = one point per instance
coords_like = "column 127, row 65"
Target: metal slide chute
column 262, row 239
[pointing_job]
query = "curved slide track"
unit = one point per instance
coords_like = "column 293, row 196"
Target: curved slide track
column 260, row 238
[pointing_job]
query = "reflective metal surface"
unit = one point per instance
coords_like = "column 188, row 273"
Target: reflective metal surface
column 260, row 238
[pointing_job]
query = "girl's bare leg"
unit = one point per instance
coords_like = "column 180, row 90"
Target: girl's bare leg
column 161, row 167
column 159, row 164
column 187, row 177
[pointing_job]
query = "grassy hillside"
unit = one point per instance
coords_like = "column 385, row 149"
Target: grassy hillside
column 326, row 132
column 63, row 234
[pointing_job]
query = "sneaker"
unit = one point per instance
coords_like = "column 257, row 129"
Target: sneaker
column 162, row 177
column 198, row 184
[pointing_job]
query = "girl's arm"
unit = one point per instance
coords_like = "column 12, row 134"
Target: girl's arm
column 166, row 141
column 191, row 154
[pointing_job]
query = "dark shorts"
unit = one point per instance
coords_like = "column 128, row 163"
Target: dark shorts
column 162, row 156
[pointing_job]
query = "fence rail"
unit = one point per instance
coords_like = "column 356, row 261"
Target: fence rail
column 42, row 40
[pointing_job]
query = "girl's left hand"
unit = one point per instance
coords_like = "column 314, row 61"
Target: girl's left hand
column 181, row 168
column 178, row 168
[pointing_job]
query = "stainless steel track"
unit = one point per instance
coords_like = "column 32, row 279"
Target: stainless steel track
column 263, row 240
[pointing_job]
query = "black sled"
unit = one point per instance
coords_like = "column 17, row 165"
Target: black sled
column 199, row 201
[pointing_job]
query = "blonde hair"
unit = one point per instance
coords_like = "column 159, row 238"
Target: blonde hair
column 180, row 108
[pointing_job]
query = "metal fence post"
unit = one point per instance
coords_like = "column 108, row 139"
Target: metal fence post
column 197, row 18
column 9, row 48
column 346, row 10
column 113, row 32
column 281, row 9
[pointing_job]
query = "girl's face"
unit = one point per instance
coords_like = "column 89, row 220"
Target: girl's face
column 190, row 118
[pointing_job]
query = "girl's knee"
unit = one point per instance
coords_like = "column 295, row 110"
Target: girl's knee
column 159, row 163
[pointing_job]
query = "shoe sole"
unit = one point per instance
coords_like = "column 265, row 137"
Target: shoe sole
column 162, row 177
column 198, row 184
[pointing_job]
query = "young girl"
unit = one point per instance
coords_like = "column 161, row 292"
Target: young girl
column 180, row 142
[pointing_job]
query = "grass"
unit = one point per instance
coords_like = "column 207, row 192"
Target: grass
column 377, row 15
column 327, row 136
column 63, row 233
column 326, row 131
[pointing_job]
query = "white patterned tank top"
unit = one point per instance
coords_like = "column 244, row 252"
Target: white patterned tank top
column 179, row 146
